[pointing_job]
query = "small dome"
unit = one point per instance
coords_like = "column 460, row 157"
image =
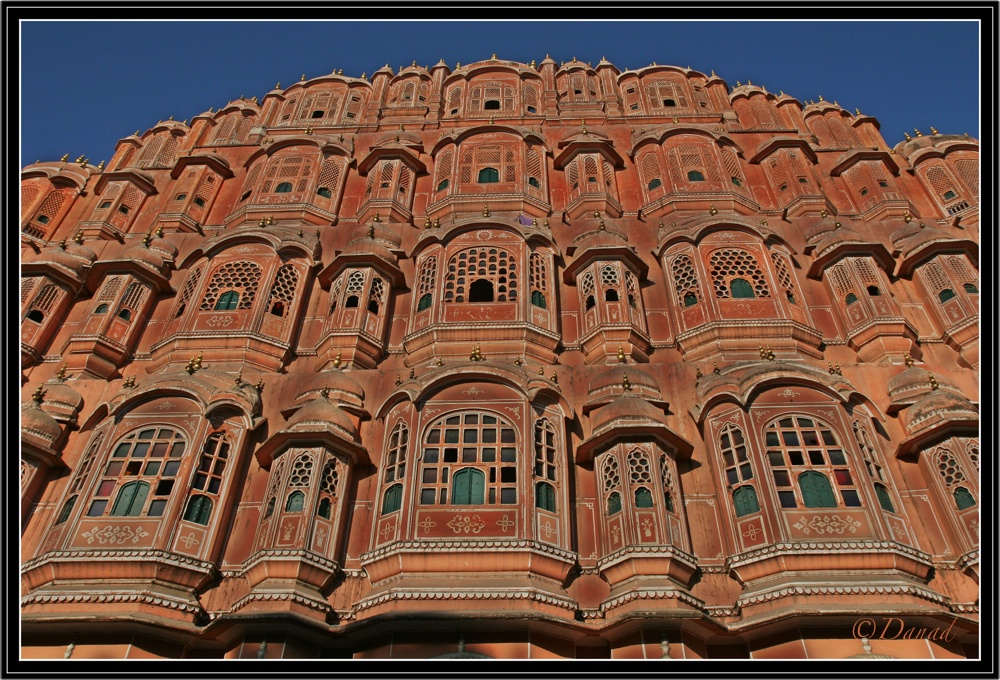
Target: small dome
column 74, row 258
column 322, row 414
column 61, row 399
column 938, row 406
column 627, row 410
column 39, row 423
column 384, row 233
column 814, row 232
column 916, row 233
column 344, row 388
column 615, row 376
column 148, row 256
column 370, row 246
column 915, row 381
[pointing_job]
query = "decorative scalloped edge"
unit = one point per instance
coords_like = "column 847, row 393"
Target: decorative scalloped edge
column 521, row 594
column 789, row 591
column 155, row 600
column 321, row 606
column 652, row 594
column 785, row 548
column 136, row 554
column 466, row 544
column 304, row 555
column 665, row 550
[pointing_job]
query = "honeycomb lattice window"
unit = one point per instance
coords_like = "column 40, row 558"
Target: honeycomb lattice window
column 50, row 207
column 784, row 276
column 189, row 288
column 631, row 289
column 533, row 169
column 425, row 282
column 495, row 265
column 498, row 157
column 282, row 170
column 329, row 178
column 842, row 280
column 974, row 455
column 959, row 266
column 538, row 273
column 442, row 173
column 866, row 272
column 949, row 467
column 251, row 180
column 612, row 477
column 587, row 289
column 968, row 170
column 242, row 277
column 650, row 166
column 132, row 301
column 109, row 291
column 335, row 293
column 376, row 295
column 277, row 470
column 933, row 274
column 168, row 154
column 942, row 184
column 355, row 282
column 147, row 158
column 530, row 98
column 609, row 276
column 131, row 198
column 689, row 159
column 27, row 285
column 28, row 195
column 226, row 130
column 733, row 168
column 638, row 468
column 283, row 290
column 491, row 96
column 685, row 281
column 45, row 298
column 301, row 471
column 573, row 177
column 763, row 113
column 330, row 478
column 668, row 482
column 454, row 101
column 729, row 264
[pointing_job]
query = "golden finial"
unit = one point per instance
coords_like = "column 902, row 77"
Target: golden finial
column 907, row 217
column 715, row 368
column 147, row 239
column 486, row 211
column 340, row 72
column 713, row 73
column 309, row 130
column 399, row 379
column 532, row 64
column 541, row 370
column 197, row 362
column 546, row 223
column 763, row 354
column 79, row 159
column 239, row 378
column 763, row 223
column 364, row 76
column 371, row 230
column 738, row 84
column 626, row 383
column 100, row 166
column 259, row 386
column 38, row 395
column 697, row 373
column 675, row 120
column 933, row 130
column 555, row 378
column 821, row 98
column 458, row 64
column 534, row 222
column 413, row 373
column 336, row 359
column 517, row 360
column 304, row 75
column 437, row 223
column 491, row 120
column 621, row 354
column 857, row 111
column 262, row 223
column 583, row 125
column 823, row 213
column 908, row 360
column 65, row 156
column 934, row 382
column 270, row 220
column 601, row 227
column 61, row 375
column 918, row 132
column 922, row 225
column 129, row 382
column 301, row 233
column 324, row 392
column 78, row 239
column 837, row 224
column 190, row 366
column 62, row 245
column 376, row 218
column 712, row 210
column 907, row 135
column 427, row 222
column 439, row 362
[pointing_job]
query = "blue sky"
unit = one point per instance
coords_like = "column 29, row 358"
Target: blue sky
column 108, row 79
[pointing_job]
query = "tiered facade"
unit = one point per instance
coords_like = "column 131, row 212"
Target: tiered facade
column 506, row 360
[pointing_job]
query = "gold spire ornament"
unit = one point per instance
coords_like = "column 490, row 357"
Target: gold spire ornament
column 621, row 355
column 908, row 360
column 439, row 362
column 712, row 210
column 626, row 383
column 715, row 368
column 336, row 360
column 38, row 395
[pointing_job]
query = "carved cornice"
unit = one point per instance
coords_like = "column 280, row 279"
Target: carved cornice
column 839, row 547
column 110, row 598
column 840, row 591
column 652, row 594
column 466, row 545
column 529, row 594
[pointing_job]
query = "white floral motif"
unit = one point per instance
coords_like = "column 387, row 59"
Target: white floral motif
column 473, row 391
column 189, row 540
column 752, row 532
column 217, row 320
column 789, row 393
column 427, row 524
column 115, row 535
column 467, row 524
column 320, row 537
column 165, row 406
column 548, row 529
column 647, row 528
column 505, row 523
column 615, row 535
column 388, row 528
column 827, row 524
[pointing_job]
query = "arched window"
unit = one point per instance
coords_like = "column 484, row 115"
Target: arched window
column 198, row 510
column 745, row 501
column 963, row 499
column 873, row 291
column 283, row 188
column 809, row 450
column 946, row 294
column 469, row 442
column 494, row 266
column 131, row 500
column 970, row 288
column 424, row 302
column 612, row 482
column 850, row 299
column 227, row 301
column 296, row 501
column 643, row 498
column 467, row 487
column 545, row 496
column 614, row 503
column 816, row 490
column 488, row 176
column 740, row 288
column 690, row 299
column 884, row 499
column 125, row 314
column 234, row 277
column 537, row 299
column 392, row 499
column 695, row 176
column 153, row 455
column 654, row 183
column 101, row 309
column 685, row 280
column 481, row 290
column 611, row 295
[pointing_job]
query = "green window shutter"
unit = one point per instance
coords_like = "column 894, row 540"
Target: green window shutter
column 740, row 288
column 131, row 500
column 883, row 498
column 467, row 487
column 963, row 499
column 643, row 498
column 392, row 500
column 614, row 503
column 545, row 497
column 816, row 490
column 745, row 501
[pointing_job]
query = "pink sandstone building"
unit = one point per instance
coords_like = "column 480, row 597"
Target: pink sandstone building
column 507, row 360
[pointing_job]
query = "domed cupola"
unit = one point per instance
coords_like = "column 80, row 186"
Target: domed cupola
column 915, row 242
column 829, row 239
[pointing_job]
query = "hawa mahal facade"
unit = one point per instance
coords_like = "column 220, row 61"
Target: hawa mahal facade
column 508, row 360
